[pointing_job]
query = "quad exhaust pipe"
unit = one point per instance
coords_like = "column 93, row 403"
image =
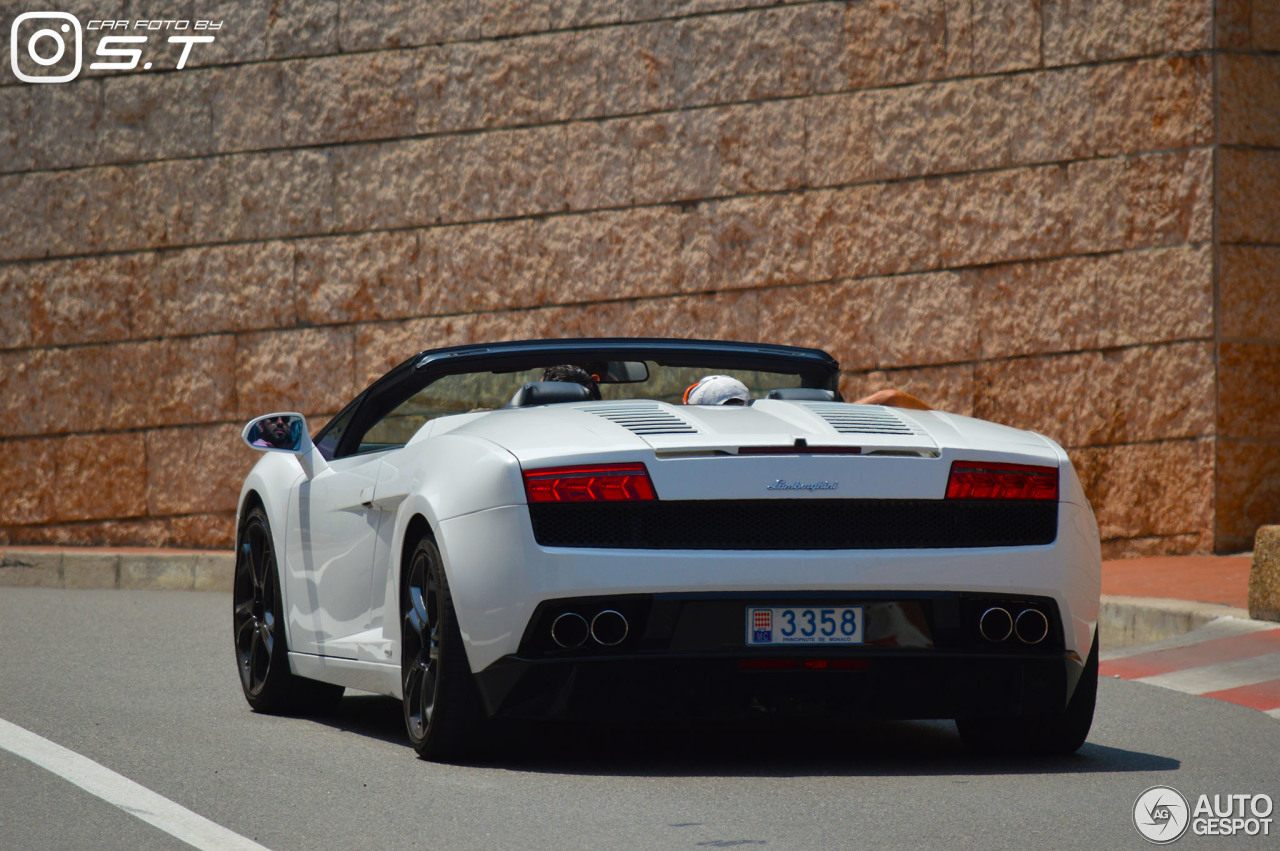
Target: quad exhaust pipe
column 570, row 630
column 1031, row 626
column 608, row 628
column 997, row 624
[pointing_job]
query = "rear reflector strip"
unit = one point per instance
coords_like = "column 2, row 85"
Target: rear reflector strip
column 602, row 483
column 990, row 480
column 773, row 664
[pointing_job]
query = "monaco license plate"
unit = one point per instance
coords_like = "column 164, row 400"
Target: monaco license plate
column 774, row 625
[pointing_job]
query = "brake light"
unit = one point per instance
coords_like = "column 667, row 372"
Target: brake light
column 989, row 480
column 800, row 450
column 603, row 483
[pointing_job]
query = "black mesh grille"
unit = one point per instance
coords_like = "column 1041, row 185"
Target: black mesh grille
column 810, row 524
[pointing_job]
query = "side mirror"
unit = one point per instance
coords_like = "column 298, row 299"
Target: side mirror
column 285, row 432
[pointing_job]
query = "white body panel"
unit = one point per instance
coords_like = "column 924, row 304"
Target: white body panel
column 462, row 475
column 512, row 574
column 331, row 546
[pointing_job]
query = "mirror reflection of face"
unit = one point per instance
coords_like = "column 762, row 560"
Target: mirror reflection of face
column 275, row 430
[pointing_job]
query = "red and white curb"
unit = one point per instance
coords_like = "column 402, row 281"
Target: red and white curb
column 1229, row 659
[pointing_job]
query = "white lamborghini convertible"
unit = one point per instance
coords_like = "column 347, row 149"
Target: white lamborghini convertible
column 477, row 541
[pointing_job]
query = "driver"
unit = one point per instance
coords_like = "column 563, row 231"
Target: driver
column 574, row 374
column 273, row 433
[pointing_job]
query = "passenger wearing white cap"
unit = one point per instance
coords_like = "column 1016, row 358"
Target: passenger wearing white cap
column 717, row 390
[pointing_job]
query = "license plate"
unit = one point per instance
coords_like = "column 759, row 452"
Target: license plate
column 774, row 625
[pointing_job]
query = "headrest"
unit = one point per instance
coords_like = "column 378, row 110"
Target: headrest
column 549, row 393
column 804, row 394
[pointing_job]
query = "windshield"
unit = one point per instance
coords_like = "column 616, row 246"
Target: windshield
column 481, row 377
column 481, row 391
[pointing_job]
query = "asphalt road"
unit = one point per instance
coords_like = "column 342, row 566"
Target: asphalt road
column 143, row 683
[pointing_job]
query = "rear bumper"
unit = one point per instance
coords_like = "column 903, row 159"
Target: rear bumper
column 901, row 685
column 499, row 575
column 685, row 656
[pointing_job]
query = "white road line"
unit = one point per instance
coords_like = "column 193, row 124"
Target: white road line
column 120, row 791
column 1223, row 675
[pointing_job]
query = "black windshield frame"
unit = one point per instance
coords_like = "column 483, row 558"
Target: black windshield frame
column 813, row 367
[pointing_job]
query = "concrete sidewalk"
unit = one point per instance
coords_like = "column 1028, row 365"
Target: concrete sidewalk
column 1143, row 599
column 117, row 567
column 1152, row 599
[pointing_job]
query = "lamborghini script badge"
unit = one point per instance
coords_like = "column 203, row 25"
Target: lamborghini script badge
column 784, row 485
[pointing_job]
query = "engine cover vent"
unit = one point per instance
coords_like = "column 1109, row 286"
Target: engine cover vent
column 643, row 418
column 859, row 419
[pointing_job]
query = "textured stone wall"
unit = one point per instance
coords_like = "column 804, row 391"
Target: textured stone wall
column 1248, row 252
column 1056, row 214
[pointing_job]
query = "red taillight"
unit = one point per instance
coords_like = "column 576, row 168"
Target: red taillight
column 989, row 480
column 604, row 483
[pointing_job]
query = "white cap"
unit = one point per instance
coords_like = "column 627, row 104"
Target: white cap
column 718, row 390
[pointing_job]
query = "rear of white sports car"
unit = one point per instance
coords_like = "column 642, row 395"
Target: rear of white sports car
column 540, row 529
column 786, row 557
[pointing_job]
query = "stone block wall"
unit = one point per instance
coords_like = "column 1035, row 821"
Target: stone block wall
column 1248, row 250
column 1060, row 215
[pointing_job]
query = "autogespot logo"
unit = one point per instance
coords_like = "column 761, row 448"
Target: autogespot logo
column 1160, row 814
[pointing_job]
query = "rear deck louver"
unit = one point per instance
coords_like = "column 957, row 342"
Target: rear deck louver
column 643, row 418
column 859, row 419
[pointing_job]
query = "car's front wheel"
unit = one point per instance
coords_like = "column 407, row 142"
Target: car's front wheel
column 262, row 653
column 1051, row 733
column 442, row 709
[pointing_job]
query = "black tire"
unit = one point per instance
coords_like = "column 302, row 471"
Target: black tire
column 1053, row 733
column 262, row 651
column 443, row 713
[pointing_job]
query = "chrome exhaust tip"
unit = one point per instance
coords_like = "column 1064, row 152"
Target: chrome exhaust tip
column 609, row 628
column 996, row 624
column 1031, row 626
column 569, row 630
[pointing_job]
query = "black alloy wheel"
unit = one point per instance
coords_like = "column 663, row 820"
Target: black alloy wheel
column 442, row 708
column 258, row 629
column 421, row 653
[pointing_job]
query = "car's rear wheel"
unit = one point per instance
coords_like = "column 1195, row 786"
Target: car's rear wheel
column 1052, row 733
column 442, row 709
column 262, row 652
